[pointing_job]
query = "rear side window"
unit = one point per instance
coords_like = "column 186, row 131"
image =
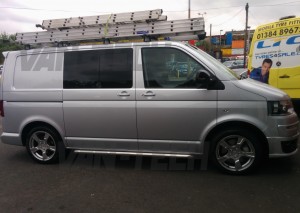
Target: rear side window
column 98, row 69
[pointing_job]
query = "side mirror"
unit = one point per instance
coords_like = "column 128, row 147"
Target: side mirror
column 204, row 79
column 243, row 75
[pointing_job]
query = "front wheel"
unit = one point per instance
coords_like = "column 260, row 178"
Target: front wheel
column 43, row 145
column 237, row 151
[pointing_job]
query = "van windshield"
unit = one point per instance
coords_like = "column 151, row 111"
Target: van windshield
column 231, row 74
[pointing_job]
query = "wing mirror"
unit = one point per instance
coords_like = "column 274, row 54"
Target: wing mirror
column 204, row 79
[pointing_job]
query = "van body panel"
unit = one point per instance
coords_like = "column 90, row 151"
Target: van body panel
column 171, row 146
column 175, row 120
column 289, row 64
column 24, row 113
column 251, row 112
column 45, row 68
column 289, row 79
column 283, row 126
column 97, row 94
column 9, row 64
column 32, row 92
column 100, row 119
column 260, row 90
column 275, row 148
column 234, row 91
column 34, row 96
column 11, row 138
column 109, row 144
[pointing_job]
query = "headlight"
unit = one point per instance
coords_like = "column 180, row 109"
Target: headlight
column 280, row 107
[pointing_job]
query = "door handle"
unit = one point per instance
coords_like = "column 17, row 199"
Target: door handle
column 284, row 76
column 148, row 94
column 123, row 94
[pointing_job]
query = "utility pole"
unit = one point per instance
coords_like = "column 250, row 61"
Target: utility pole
column 210, row 46
column 246, row 35
column 220, row 39
column 189, row 9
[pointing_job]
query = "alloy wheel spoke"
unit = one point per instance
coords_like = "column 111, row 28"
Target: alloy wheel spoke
column 52, row 148
column 248, row 154
column 46, row 137
column 237, row 165
column 45, row 156
column 240, row 141
column 34, row 149
column 35, row 138
column 223, row 158
column 224, row 144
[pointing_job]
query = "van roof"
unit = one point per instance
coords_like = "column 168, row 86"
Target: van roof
column 5, row 53
column 106, row 46
column 277, row 21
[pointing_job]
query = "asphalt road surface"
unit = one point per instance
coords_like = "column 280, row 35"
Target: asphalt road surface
column 93, row 183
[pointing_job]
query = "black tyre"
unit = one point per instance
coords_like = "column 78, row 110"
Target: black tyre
column 237, row 151
column 44, row 144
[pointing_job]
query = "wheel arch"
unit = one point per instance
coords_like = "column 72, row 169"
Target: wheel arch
column 239, row 125
column 33, row 124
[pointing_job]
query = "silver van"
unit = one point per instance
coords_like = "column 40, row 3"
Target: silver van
column 134, row 99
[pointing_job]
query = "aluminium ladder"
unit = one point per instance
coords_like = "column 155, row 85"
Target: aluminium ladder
column 94, row 21
column 148, row 25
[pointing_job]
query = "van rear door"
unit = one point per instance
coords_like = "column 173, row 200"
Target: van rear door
column 1, row 86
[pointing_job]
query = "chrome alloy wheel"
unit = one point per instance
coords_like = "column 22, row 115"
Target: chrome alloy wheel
column 42, row 145
column 235, row 153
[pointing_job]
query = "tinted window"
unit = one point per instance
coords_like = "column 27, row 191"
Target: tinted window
column 116, row 68
column 98, row 69
column 169, row 68
column 81, row 69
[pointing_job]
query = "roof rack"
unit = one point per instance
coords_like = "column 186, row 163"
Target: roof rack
column 149, row 25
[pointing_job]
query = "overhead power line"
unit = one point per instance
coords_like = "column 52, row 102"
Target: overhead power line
column 216, row 8
column 278, row 4
column 254, row 18
column 229, row 18
column 169, row 11
column 42, row 9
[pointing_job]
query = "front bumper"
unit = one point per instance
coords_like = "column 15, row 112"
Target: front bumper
column 283, row 135
column 282, row 147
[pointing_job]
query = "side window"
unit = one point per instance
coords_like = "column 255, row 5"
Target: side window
column 81, row 69
column 98, row 69
column 165, row 67
column 116, row 68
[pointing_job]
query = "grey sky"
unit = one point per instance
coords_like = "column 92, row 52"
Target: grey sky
column 222, row 14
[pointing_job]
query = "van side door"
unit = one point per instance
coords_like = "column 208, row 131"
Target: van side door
column 288, row 65
column 172, row 110
column 99, row 99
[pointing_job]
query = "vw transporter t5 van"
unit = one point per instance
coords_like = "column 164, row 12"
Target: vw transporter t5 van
column 155, row 98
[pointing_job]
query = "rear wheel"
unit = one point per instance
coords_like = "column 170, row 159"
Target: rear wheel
column 236, row 151
column 43, row 145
